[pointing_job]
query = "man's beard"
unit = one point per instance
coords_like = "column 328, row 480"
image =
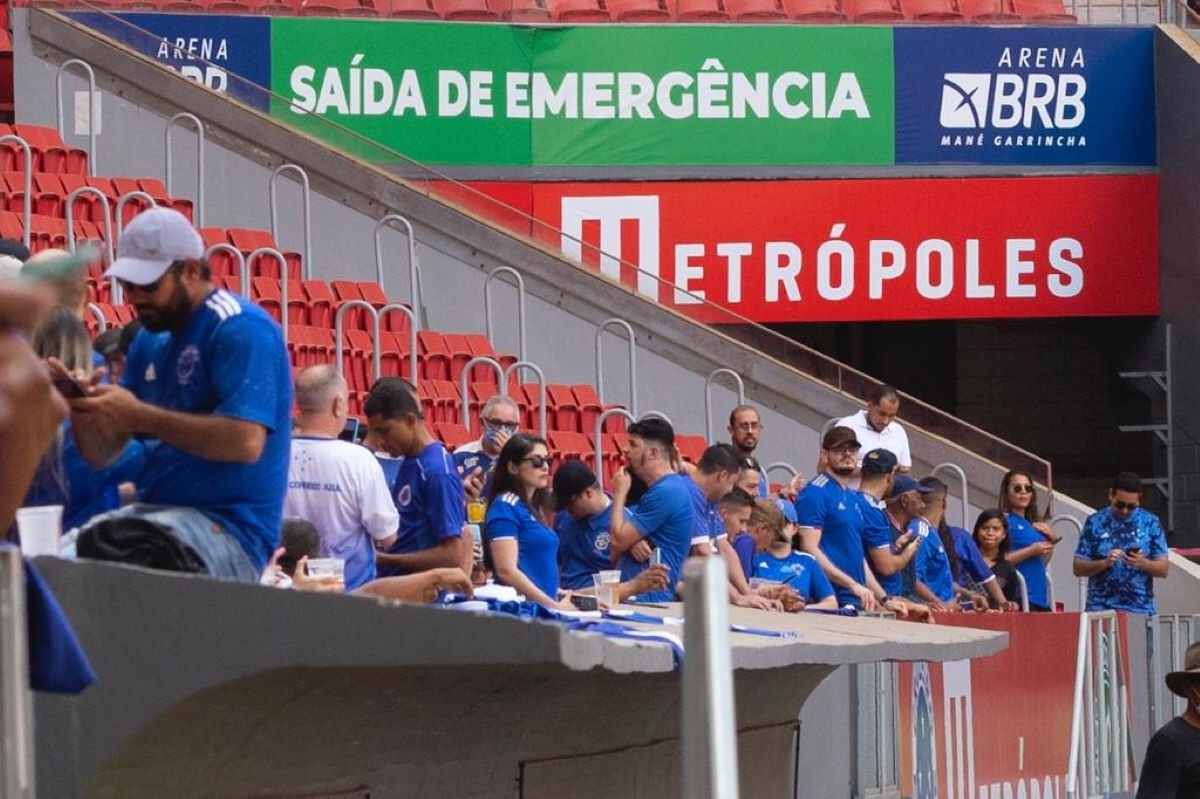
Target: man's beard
column 174, row 317
column 842, row 471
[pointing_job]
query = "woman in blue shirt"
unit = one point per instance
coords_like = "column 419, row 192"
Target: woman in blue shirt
column 522, row 550
column 1031, row 538
column 776, row 561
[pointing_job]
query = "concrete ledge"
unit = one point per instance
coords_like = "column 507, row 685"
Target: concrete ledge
column 208, row 688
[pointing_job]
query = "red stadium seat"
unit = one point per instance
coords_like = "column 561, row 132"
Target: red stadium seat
column 691, row 447
column 700, row 11
column 411, row 9
column 577, row 11
column 755, row 10
column 453, row 435
column 460, row 353
column 638, row 10
column 1049, row 11
column 873, row 11
column 336, row 8
column 320, row 303
column 589, row 407
column 481, row 345
column 931, row 10
column 988, row 11
column 520, row 10
column 86, row 206
column 362, row 360
column 435, row 358
column 563, row 408
column 815, row 11
column 569, row 445
column 465, row 10
column 274, row 8
column 6, row 66
column 450, row 409
column 477, row 395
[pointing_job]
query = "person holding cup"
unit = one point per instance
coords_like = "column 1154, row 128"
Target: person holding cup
column 523, row 552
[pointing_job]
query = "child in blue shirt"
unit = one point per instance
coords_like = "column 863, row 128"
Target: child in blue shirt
column 776, row 561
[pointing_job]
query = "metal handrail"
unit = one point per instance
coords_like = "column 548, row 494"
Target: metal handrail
column 599, row 462
column 414, row 269
column 1100, row 737
column 519, row 283
column 339, row 332
column 306, row 197
column 1024, row 590
column 709, row 737
column 791, row 470
column 708, row 383
column 119, row 214
column 242, row 269
column 58, row 84
column 283, row 284
column 1083, row 581
column 462, row 382
column 658, row 415
column 537, row 370
column 70, row 203
column 962, row 479
column 600, row 328
column 413, row 327
column 94, row 310
column 27, row 202
column 171, row 123
column 17, row 772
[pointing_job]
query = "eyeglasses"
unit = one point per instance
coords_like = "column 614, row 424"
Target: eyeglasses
column 845, row 448
column 748, row 427
column 538, row 461
column 1119, row 505
column 500, row 424
column 1021, row 488
column 145, row 288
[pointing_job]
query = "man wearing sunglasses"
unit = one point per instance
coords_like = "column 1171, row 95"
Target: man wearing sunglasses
column 1121, row 550
column 208, row 381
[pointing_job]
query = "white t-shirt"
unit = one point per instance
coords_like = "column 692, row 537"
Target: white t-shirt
column 340, row 488
column 892, row 438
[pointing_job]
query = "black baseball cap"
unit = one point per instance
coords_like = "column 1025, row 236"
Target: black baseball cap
column 839, row 437
column 572, row 479
column 879, row 461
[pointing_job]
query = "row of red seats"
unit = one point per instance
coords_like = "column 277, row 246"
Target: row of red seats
column 637, row 11
column 49, row 192
column 47, row 149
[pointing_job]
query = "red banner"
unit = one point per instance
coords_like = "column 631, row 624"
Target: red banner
column 996, row 727
column 863, row 250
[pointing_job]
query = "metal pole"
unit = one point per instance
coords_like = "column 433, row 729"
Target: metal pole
column 632, row 360
column 283, row 285
column 171, row 123
column 70, row 203
column 599, row 460
column 413, row 327
column 58, row 84
column 537, row 370
column 98, row 315
column 708, row 383
column 16, row 701
column 306, row 197
column 709, row 734
column 519, row 282
column 338, row 332
column 27, row 202
column 962, row 479
column 414, row 284
column 658, row 415
column 462, row 382
column 242, row 267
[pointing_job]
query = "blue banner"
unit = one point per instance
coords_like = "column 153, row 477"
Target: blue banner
column 228, row 54
column 1025, row 96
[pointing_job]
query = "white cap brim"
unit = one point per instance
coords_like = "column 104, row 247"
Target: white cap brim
column 138, row 270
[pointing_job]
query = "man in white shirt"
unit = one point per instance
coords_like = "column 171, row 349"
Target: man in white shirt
column 877, row 428
column 336, row 485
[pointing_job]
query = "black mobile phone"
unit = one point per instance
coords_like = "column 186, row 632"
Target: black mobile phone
column 584, row 602
column 350, row 430
column 69, row 388
column 1134, row 551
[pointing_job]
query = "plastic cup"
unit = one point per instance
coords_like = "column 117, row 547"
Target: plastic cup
column 606, row 583
column 327, row 567
column 40, row 528
column 757, row 583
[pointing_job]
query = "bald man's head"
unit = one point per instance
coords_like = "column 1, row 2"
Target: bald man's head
column 318, row 387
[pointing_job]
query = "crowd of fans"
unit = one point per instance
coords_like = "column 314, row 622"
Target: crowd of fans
column 172, row 443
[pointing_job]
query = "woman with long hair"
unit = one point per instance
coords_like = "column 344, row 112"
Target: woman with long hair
column 991, row 536
column 522, row 550
column 776, row 561
column 1032, row 540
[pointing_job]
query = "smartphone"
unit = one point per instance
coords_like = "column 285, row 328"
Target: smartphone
column 350, row 430
column 1133, row 551
column 1056, row 539
column 70, row 388
column 584, row 602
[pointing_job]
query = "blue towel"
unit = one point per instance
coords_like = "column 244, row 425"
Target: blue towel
column 57, row 663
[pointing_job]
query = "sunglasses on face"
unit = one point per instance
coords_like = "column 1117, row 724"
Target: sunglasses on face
column 1021, row 488
column 1119, row 505
column 538, row 461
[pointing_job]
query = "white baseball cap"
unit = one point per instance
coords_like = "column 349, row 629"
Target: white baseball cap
column 155, row 239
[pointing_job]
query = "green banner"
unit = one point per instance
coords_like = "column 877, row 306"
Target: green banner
column 668, row 95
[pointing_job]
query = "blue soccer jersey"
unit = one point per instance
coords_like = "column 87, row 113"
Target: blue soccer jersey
column 974, row 568
column 228, row 361
column 707, row 525
column 836, row 511
column 1121, row 587
column 508, row 517
column 468, row 459
column 584, row 546
column 877, row 533
column 664, row 516
column 429, row 496
column 799, row 570
column 1022, row 534
column 932, row 562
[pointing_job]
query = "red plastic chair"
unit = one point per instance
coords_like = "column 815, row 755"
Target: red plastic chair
column 638, row 10
column 363, row 360
column 1048, row 11
column 589, row 407
column 320, row 301
column 989, row 11
column 460, row 353
column 700, row 11
column 520, row 10
column 577, row 11
column 815, row 11
column 931, row 11
column 691, row 447
column 411, row 9
column 465, row 10
column 336, row 8
column 478, row 394
column 884, row 12
column 453, row 435
column 435, row 357
column 755, row 10
column 451, row 408
column 481, row 345
column 564, row 408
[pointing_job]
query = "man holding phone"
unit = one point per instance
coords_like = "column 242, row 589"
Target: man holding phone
column 1121, row 550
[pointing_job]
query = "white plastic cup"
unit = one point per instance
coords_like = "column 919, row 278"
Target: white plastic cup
column 40, row 528
column 327, row 567
column 606, row 583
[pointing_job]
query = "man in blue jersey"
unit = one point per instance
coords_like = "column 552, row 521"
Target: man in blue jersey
column 889, row 551
column 663, row 517
column 428, row 489
column 208, row 378
column 974, row 576
column 1121, row 550
column 501, row 418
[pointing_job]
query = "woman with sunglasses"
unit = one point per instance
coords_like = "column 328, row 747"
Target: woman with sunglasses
column 1032, row 539
column 775, row 560
column 991, row 536
column 523, row 552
